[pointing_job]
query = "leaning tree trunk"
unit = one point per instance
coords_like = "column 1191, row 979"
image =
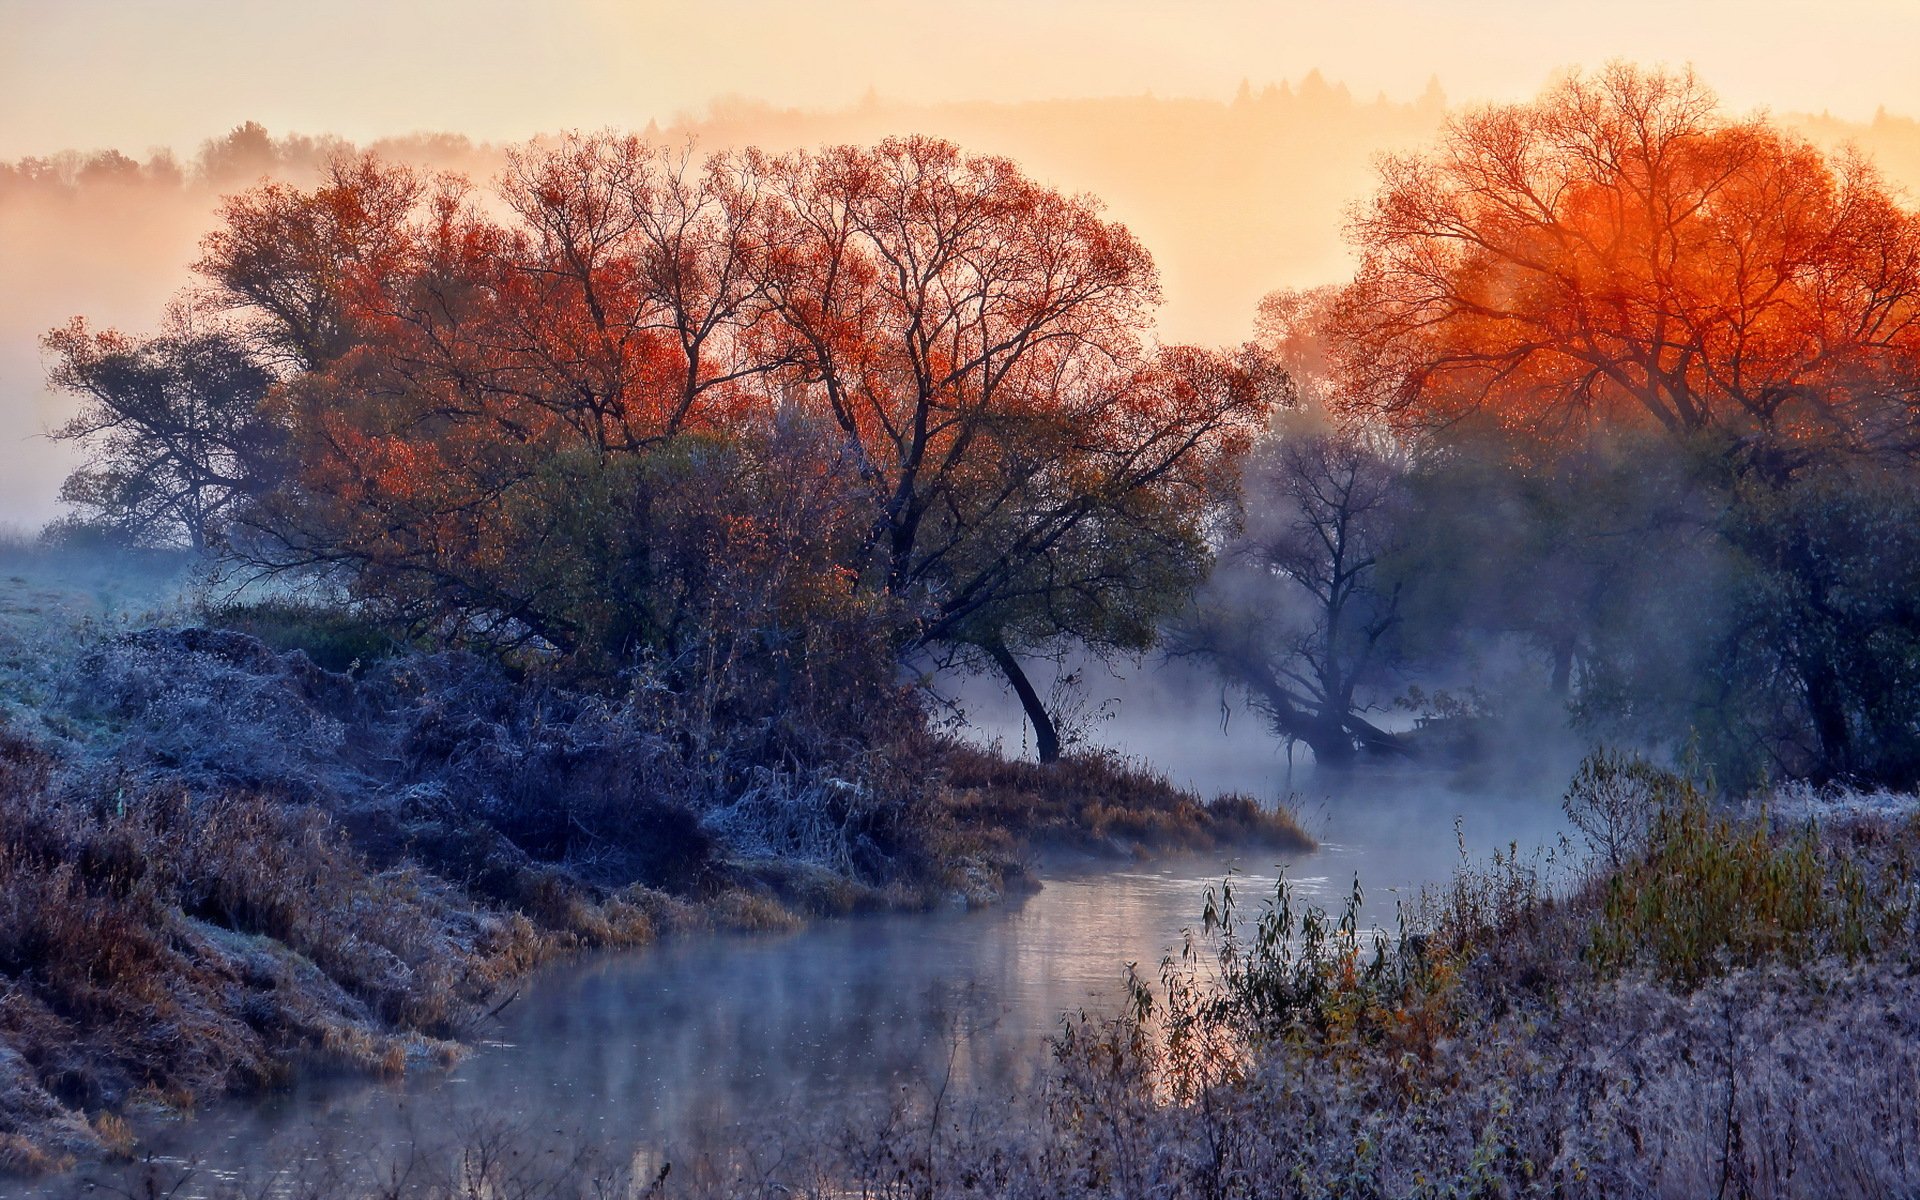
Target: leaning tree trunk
column 1826, row 707
column 1046, row 739
column 1325, row 734
column 1330, row 742
column 1337, row 736
column 1377, row 741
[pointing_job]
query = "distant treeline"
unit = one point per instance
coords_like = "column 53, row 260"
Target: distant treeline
column 1618, row 414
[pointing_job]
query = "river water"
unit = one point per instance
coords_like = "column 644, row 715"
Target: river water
column 664, row 1047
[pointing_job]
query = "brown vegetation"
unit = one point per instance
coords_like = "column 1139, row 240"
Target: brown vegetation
column 1098, row 802
column 220, row 864
column 158, row 947
column 1529, row 1036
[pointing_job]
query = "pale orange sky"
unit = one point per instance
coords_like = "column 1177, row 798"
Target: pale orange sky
column 1233, row 199
column 136, row 74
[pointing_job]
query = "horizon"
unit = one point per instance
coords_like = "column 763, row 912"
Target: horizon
column 1142, row 105
column 93, row 74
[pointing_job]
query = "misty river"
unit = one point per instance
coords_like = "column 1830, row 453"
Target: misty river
column 662, row 1047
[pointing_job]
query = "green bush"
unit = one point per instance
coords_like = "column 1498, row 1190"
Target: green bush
column 1711, row 890
column 336, row 638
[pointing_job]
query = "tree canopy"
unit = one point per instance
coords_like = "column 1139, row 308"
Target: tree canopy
column 494, row 399
column 1620, row 251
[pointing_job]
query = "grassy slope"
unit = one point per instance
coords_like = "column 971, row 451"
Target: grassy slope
column 219, row 864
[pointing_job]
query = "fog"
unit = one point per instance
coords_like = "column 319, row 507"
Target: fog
column 88, row 73
column 1234, row 198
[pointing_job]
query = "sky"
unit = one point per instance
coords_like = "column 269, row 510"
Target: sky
column 1233, row 200
column 138, row 74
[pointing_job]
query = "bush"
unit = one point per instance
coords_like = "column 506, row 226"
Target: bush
column 1611, row 802
column 1711, row 891
column 1099, row 802
column 1301, row 976
column 336, row 638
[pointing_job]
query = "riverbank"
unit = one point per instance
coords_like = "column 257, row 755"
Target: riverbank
column 222, row 863
column 1689, row 1000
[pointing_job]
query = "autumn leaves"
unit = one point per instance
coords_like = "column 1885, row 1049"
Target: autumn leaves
column 913, row 376
column 1621, row 251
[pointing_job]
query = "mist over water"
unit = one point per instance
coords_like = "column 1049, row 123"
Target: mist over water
column 1175, row 717
column 709, row 1038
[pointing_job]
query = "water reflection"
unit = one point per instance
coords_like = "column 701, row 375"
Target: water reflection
column 662, row 1046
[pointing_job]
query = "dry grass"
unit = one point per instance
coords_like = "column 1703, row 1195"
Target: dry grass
column 154, row 944
column 219, row 862
column 1101, row 803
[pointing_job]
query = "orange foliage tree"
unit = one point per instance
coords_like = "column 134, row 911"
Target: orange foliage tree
column 627, row 387
column 1033, row 467
column 1620, row 252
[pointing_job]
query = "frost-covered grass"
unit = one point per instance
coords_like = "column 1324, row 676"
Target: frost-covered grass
column 157, row 947
column 1577, row 1028
column 221, row 858
column 1800, row 802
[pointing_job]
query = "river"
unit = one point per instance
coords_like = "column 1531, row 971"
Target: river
column 661, row 1047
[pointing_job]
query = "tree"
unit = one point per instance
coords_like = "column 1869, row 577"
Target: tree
column 1591, row 560
column 491, row 394
column 1619, row 252
column 1300, row 617
column 1007, row 459
column 172, row 426
column 1658, row 368
column 1036, row 470
column 297, row 262
column 1818, row 664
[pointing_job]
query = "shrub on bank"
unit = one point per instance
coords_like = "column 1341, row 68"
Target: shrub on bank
column 163, row 946
column 1099, row 802
column 220, row 860
column 336, row 639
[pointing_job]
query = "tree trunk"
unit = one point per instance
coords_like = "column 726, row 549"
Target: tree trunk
column 1046, row 739
column 1375, row 740
column 1827, row 709
column 1330, row 742
column 1325, row 735
column 1562, row 668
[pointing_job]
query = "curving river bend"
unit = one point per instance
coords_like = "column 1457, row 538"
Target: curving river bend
column 659, row 1047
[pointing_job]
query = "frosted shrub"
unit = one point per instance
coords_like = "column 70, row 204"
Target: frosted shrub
column 213, row 706
column 813, row 817
column 1611, row 801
